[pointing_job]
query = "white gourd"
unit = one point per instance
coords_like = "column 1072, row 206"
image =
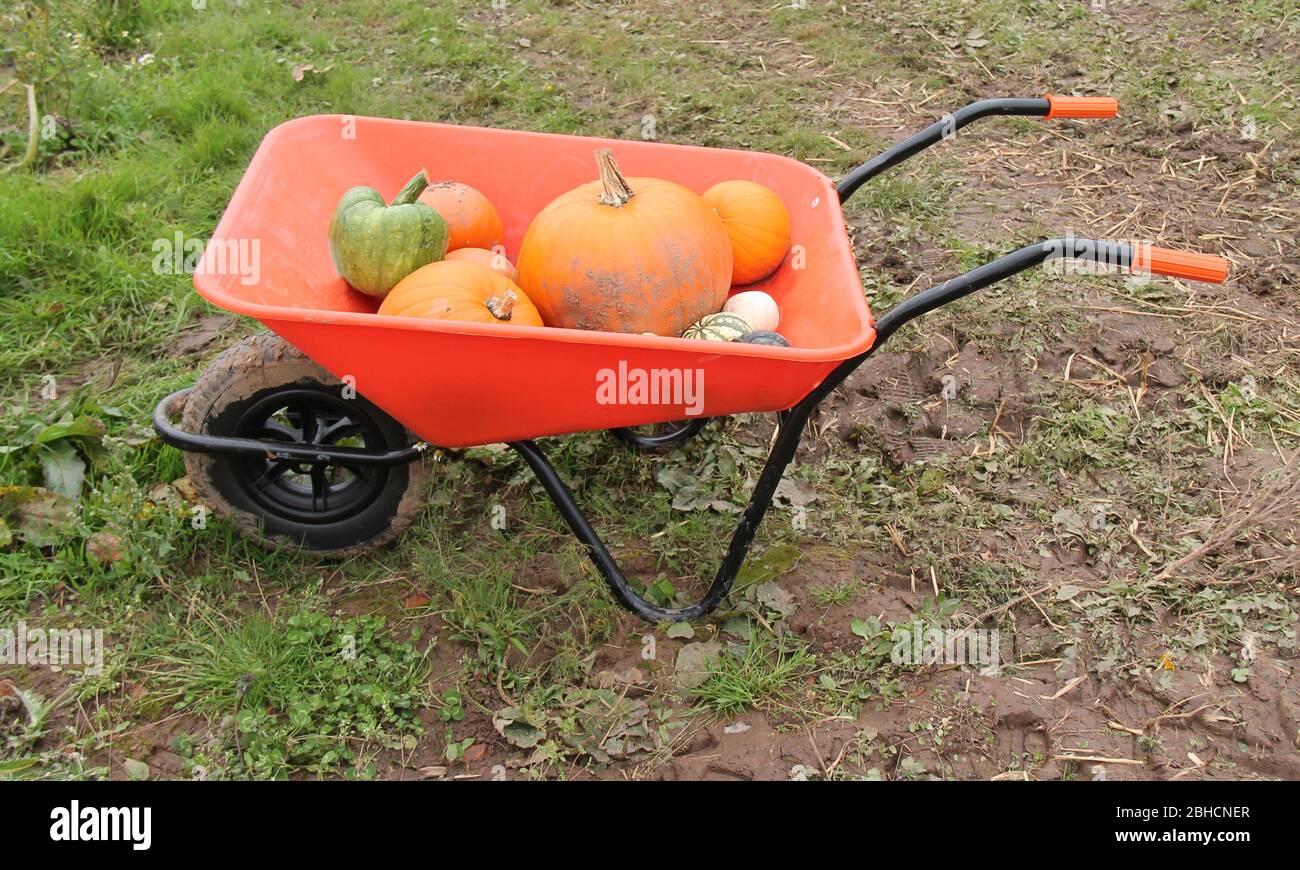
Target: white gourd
column 756, row 308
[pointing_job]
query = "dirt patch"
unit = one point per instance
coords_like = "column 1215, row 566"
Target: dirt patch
column 203, row 334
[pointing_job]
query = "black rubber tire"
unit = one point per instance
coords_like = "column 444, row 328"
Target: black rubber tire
column 662, row 437
column 249, row 373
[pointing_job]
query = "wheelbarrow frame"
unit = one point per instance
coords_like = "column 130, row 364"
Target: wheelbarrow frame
column 1125, row 256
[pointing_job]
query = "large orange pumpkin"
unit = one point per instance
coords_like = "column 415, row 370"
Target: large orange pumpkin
column 626, row 255
column 492, row 259
column 458, row 290
column 758, row 225
column 471, row 217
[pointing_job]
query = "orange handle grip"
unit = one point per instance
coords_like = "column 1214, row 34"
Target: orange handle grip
column 1179, row 264
column 1081, row 107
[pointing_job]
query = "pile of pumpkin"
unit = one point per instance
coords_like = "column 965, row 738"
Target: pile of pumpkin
column 638, row 255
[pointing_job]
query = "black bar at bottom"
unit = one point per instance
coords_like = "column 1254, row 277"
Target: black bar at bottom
column 195, row 443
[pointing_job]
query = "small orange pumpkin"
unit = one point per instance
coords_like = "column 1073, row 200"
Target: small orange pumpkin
column 493, row 260
column 459, row 290
column 471, row 217
column 758, row 225
column 626, row 255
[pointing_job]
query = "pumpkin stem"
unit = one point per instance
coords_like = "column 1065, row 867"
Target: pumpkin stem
column 502, row 306
column 411, row 192
column 616, row 189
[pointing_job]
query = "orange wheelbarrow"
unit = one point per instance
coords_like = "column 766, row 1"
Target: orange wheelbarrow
column 314, row 436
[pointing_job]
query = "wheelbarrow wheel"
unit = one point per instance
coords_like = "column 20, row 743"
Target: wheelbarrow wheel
column 659, row 437
column 264, row 388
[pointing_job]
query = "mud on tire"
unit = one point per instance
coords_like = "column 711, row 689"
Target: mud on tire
column 265, row 388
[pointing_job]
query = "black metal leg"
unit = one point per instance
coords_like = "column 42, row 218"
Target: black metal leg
column 787, row 443
column 684, row 432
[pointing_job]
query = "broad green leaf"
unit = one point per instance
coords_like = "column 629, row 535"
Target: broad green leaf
column 135, row 770
column 16, row 764
column 63, row 468
column 81, row 427
column 40, row 517
column 776, row 599
column 520, row 729
column 775, row 562
column 682, row 630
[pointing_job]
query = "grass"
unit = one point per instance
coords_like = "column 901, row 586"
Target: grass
column 154, row 109
column 759, row 678
column 303, row 691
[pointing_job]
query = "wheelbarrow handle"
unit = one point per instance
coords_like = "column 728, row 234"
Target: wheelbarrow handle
column 1048, row 106
column 1140, row 257
column 792, row 421
column 1180, row 264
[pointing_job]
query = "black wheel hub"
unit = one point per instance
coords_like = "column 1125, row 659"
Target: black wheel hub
column 310, row 492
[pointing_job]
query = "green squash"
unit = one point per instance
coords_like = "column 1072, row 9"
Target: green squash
column 765, row 337
column 376, row 245
column 723, row 326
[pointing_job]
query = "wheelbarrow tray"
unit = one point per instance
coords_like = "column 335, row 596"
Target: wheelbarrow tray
column 458, row 384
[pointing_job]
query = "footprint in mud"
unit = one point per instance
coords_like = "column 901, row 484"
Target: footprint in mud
column 1021, row 739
